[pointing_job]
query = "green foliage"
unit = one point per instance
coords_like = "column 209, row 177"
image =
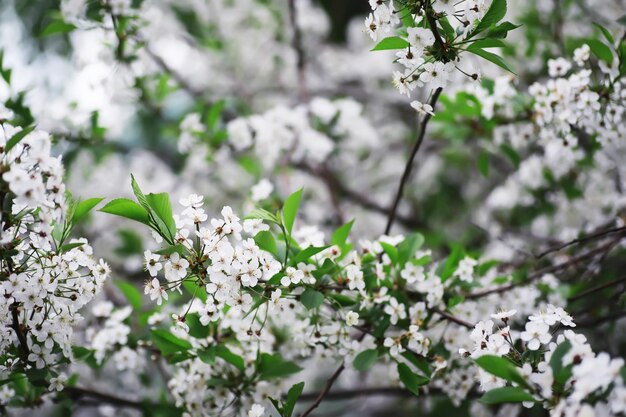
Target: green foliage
column 506, row 395
column 131, row 293
column 560, row 373
column 365, row 360
column 501, row 367
column 265, row 240
column 311, row 298
column 410, row 379
column 168, row 343
column 290, row 210
column 57, row 27
column 408, row 247
column 274, row 366
column 392, row 42
column 83, row 208
column 494, row 14
column 124, row 207
column 17, row 137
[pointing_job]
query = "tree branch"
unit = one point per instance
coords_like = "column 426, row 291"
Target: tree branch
column 78, row 394
column 296, row 44
column 409, row 165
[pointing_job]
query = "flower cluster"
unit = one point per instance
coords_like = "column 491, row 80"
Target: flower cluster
column 428, row 59
column 564, row 373
column 308, row 133
column 45, row 278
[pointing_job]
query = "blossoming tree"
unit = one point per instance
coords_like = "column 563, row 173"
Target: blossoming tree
column 420, row 212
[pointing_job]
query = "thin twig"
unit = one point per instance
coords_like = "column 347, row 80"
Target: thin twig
column 454, row 319
column 549, row 269
column 409, row 165
column 329, row 384
column 596, row 289
column 583, row 239
column 296, row 44
column 78, row 393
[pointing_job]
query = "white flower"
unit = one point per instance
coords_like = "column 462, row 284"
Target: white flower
column 504, row 315
column 292, row 276
column 436, row 74
column 176, row 268
column 394, row 345
column 395, row 310
column 257, row 410
column 152, row 263
column 153, row 288
column 352, row 318
column 465, row 270
column 422, row 108
column 262, row 190
column 58, row 383
column 537, row 333
column 372, row 26
column 558, row 67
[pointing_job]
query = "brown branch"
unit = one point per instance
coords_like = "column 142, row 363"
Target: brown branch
column 453, row 319
column 359, row 392
column 596, row 289
column 81, row 394
column 296, row 44
column 15, row 325
column 593, row 236
column 549, row 269
column 409, row 166
column 335, row 184
column 329, row 384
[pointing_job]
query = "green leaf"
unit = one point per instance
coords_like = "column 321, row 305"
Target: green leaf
column 131, row 293
column 265, row 240
column 392, row 42
column 71, row 246
column 311, row 298
column 131, row 243
column 488, row 43
column 17, row 137
column 274, row 366
column 162, row 208
column 340, row 236
column 290, row 210
column 452, row 262
column 391, row 251
column 207, row 355
column 196, row 328
column 502, row 30
column 606, row 33
column 600, row 50
column 83, row 208
column 307, row 253
column 622, row 20
column 561, row 374
column 292, row 397
column 263, row 214
column 501, row 367
column 483, row 164
column 410, row 379
column 408, row 247
column 365, row 360
column 235, row 360
column 57, row 27
column 496, row 12
column 168, row 343
column 490, row 57
column 506, row 395
column 511, row 154
column 124, row 207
